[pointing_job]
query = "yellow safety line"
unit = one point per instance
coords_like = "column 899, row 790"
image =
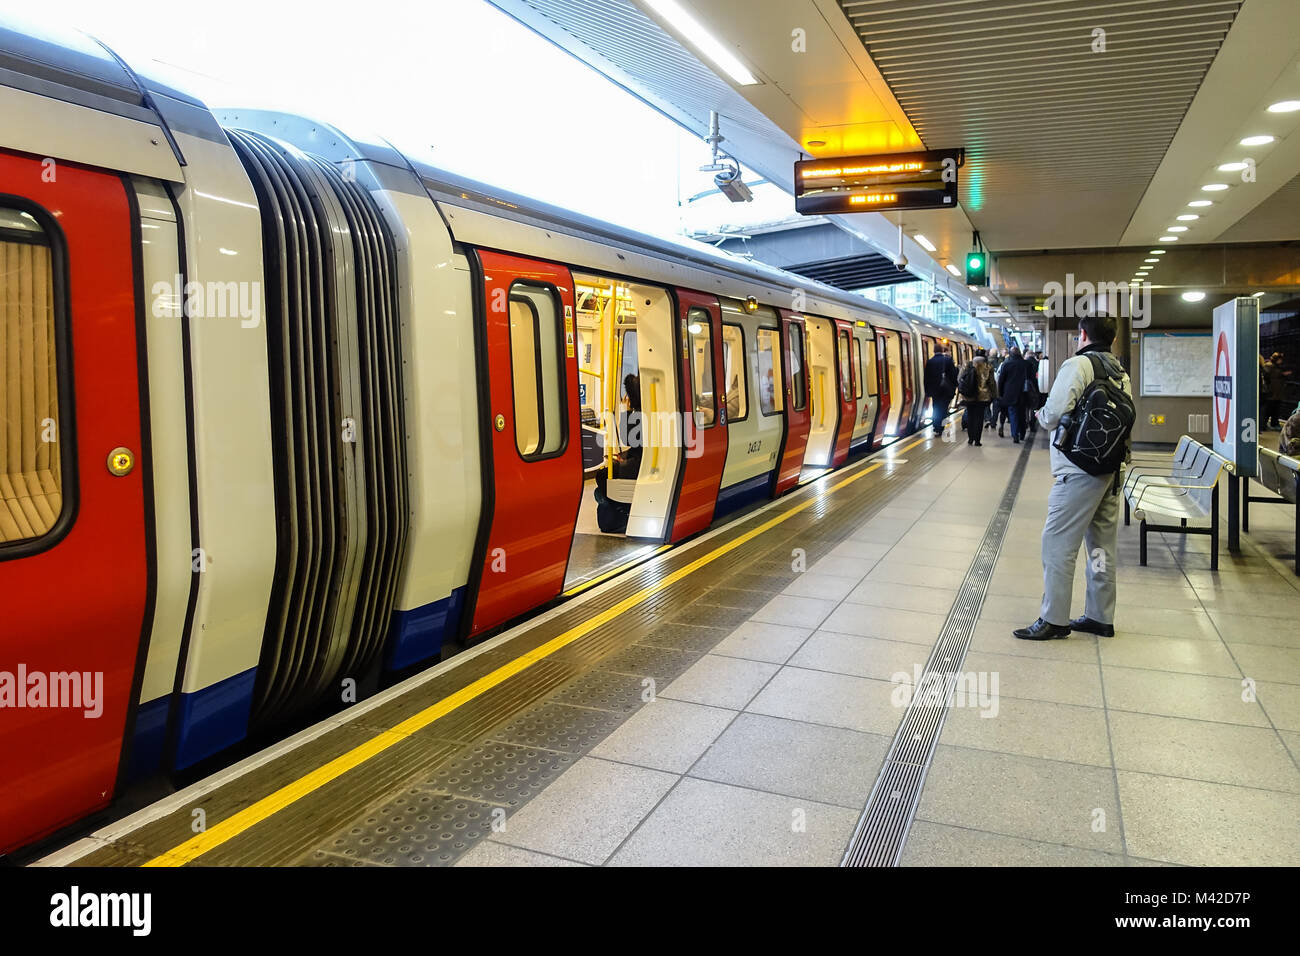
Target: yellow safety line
column 271, row 804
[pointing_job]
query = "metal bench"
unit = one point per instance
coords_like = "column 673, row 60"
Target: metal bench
column 1188, row 492
column 1280, row 474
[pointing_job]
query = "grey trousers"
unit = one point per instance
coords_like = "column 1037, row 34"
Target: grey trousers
column 1080, row 511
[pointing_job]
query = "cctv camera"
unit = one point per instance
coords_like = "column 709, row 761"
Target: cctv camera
column 732, row 186
column 900, row 262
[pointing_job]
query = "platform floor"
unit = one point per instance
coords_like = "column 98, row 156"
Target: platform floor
column 732, row 702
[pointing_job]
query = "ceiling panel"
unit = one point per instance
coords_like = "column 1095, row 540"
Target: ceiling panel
column 1061, row 141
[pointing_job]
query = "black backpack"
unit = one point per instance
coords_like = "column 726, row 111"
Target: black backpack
column 967, row 385
column 1094, row 435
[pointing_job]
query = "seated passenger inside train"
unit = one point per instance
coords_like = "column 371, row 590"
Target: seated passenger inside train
column 611, row 512
column 733, row 398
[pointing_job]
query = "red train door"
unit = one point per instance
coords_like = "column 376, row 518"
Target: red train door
column 704, row 412
column 74, row 551
column 886, row 400
column 528, row 398
column 798, row 413
column 847, row 391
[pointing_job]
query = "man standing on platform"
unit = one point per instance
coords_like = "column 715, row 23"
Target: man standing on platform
column 940, row 384
column 1082, row 508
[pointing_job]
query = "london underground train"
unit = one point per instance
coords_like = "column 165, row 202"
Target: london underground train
column 281, row 410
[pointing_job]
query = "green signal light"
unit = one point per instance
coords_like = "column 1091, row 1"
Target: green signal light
column 974, row 262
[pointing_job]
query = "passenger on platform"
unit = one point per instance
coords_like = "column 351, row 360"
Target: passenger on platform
column 1033, row 395
column 1082, row 509
column 978, row 389
column 1290, row 442
column 612, row 515
column 1013, row 379
column 940, row 384
column 1276, row 376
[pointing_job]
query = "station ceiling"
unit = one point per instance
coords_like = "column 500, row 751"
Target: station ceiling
column 1088, row 125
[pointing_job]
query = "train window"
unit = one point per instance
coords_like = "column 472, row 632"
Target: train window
column 798, row 374
column 857, row 366
column 733, row 372
column 700, row 330
column 31, row 465
column 770, row 379
column 846, row 371
column 537, row 370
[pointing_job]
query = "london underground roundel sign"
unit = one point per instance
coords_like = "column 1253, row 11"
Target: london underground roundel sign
column 1222, row 386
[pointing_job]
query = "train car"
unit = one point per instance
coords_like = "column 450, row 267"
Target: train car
column 286, row 414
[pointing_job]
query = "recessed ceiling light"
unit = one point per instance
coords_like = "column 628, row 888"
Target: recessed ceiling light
column 1286, row 106
column 1177, row 229
column 1256, row 295
column 1232, row 167
column 1193, row 296
column 1188, row 217
column 814, row 143
column 1158, row 252
column 1152, row 259
column 1214, row 187
column 925, row 243
column 1262, row 140
column 1198, row 203
column 1168, row 238
column 953, row 269
column 973, row 288
column 984, row 299
column 703, row 40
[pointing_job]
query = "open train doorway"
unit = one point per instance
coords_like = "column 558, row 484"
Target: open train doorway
column 625, row 382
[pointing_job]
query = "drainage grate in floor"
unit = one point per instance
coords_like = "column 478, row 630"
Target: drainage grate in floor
column 882, row 830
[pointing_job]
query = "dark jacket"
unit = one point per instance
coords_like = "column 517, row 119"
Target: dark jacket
column 986, row 385
column 940, row 375
column 1012, row 376
column 1276, row 377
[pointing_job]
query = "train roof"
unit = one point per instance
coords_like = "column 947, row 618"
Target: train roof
column 70, row 66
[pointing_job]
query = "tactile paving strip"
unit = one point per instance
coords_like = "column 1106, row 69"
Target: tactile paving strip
column 882, row 830
column 417, row 828
column 561, row 727
column 499, row 773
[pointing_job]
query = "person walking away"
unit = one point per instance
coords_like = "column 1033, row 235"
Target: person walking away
column 1276, row 376
column 1013, row 378
column 1090, row 413
column 1033, row 396
column 940, row 384
column 978, row 389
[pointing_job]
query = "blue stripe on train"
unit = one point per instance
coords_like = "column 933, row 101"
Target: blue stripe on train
column 742, row 494
column 148, row 738
column 418, row 634
column 212, row 718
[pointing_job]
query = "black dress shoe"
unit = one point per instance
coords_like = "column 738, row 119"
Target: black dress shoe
column 1089, row 626
column 1041, row 630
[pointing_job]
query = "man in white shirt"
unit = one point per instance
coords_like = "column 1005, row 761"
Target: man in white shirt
column 1082, row 509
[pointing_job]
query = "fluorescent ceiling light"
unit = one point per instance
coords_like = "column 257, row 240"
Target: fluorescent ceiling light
column 1158, row 252
column 1256, row 295
column 1193, row 296
column 953, row 269
column 925, row 243
column 1168, row 238
column 984, row 299
column 1188, row 217
column 1214, row 187
column 1286, row 106
column 1232, row 167
column 973, row 288
column 703, row 40
column 1262, row 140
column 1177, row 229
column 1198, row 203
column 1153, row 259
